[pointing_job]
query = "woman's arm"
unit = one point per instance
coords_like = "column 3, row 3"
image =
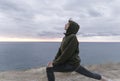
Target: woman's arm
column 67, row 52
column 58, row 54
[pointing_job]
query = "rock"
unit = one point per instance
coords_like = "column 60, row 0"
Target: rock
column 110, row 70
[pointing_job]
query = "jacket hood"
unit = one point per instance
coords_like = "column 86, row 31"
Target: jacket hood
column 72, row 29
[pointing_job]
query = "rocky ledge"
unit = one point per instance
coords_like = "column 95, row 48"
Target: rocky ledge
column 110, row 70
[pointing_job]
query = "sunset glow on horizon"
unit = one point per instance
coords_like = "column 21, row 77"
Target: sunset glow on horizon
column 80, row 39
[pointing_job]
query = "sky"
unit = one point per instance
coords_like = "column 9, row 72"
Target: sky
column 44, row 20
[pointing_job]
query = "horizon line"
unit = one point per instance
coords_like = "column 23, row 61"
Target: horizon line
column 96, row 39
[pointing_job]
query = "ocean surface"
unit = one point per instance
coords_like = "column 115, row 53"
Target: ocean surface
column 25, row 55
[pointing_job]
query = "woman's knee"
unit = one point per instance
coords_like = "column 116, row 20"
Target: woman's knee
column 49, row 69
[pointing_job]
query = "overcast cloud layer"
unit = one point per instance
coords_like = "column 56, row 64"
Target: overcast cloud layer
column 46, row 18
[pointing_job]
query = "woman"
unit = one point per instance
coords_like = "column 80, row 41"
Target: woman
column 67, row 58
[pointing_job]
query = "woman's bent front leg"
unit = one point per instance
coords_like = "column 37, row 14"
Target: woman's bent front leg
column 50, row 74
column 58, row 68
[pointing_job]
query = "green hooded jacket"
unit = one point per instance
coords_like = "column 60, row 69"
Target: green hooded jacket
column 68, row 52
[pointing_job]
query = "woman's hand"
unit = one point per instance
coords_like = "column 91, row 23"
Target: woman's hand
column 50, row 64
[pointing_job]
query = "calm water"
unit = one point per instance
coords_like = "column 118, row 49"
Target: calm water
column 24, row 55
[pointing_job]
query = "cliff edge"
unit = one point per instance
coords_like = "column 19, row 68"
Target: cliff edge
column 110, row 70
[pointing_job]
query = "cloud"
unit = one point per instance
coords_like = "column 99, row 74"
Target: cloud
column 44, row 18
column 99, row 34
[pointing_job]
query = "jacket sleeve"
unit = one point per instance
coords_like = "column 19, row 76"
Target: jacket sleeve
column 58, row 54
column 67, row 52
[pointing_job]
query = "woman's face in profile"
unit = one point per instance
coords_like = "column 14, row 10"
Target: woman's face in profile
column 67, row 26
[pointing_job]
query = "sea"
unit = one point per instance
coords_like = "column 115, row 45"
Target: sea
column 27, row 55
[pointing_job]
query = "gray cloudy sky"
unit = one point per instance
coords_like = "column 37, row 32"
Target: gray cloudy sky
column 37, row 19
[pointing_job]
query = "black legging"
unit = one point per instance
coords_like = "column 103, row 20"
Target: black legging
column 69, row 68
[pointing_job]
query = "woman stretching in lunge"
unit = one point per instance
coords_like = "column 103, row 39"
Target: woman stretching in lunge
column 67, row 58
